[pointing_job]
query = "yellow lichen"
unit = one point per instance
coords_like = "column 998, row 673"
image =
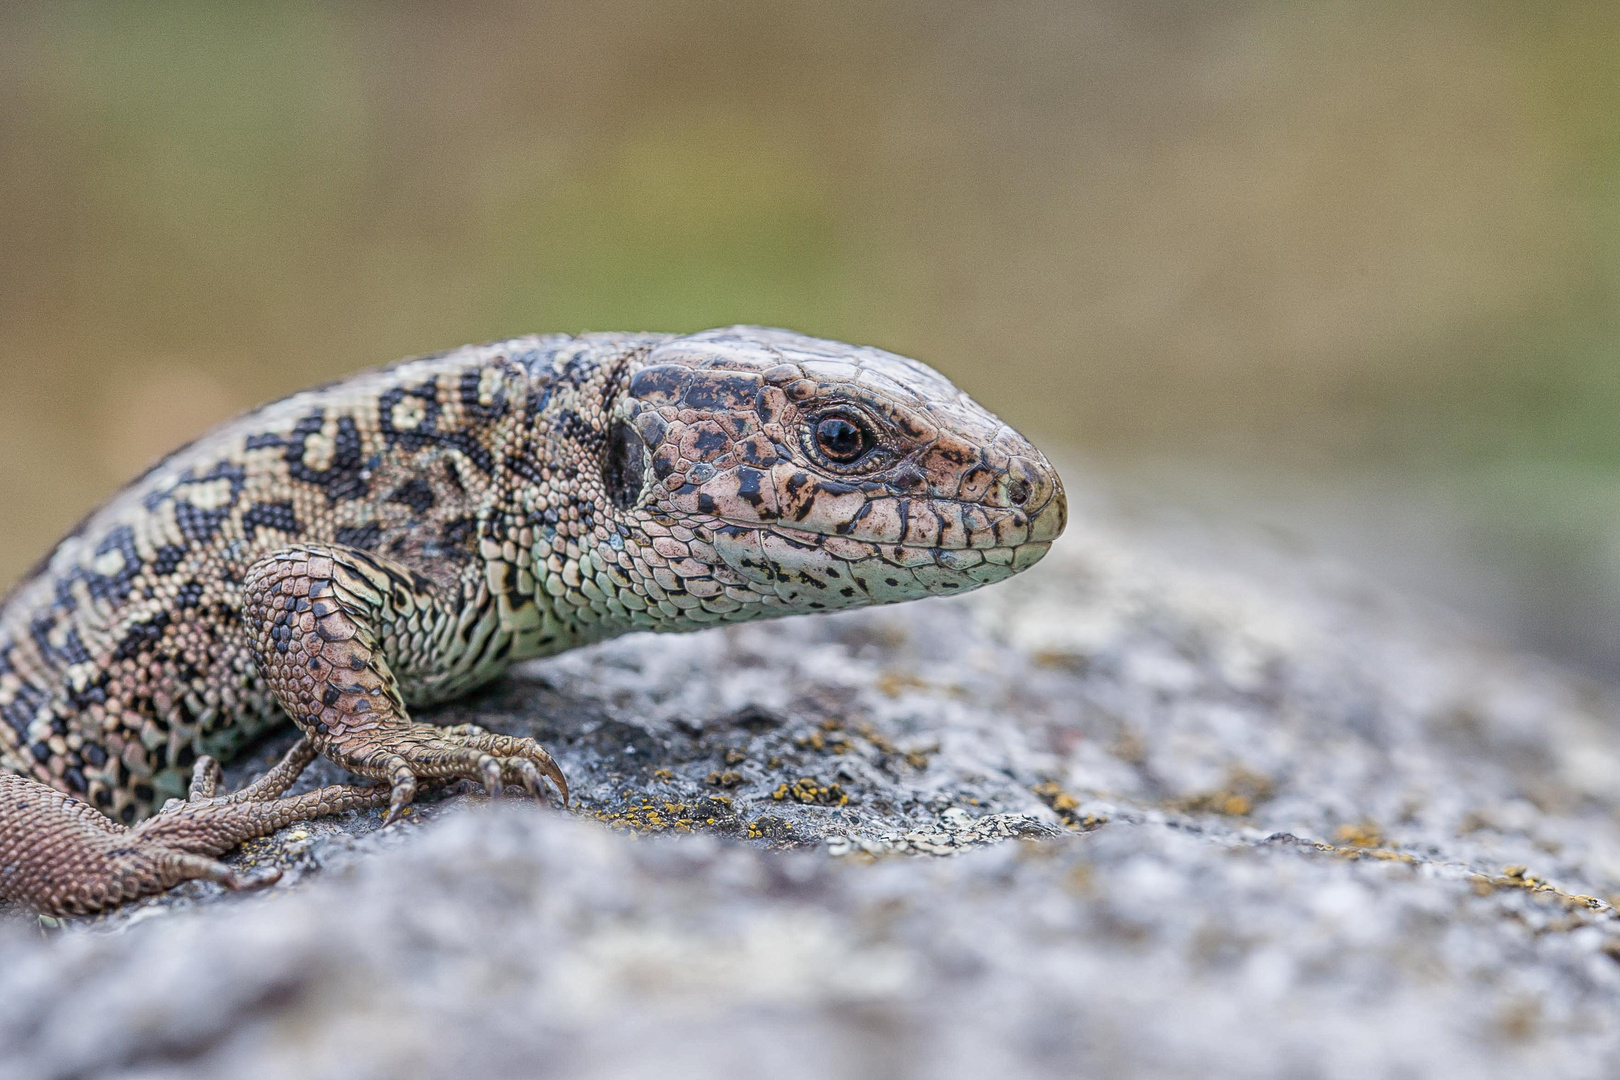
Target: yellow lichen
column 1067, row 806
column 1244, row 790
column 1362, row 835
column 806, row 790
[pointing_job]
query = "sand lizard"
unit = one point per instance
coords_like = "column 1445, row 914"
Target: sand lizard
column 398, row 537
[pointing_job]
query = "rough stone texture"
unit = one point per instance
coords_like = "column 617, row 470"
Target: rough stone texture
column 1171, row 804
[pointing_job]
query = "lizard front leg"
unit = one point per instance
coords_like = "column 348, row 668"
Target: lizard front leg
column 324, row 620
column 61, row 856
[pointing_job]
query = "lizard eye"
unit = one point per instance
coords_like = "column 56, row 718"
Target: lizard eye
column 625, row 469
column 843, row 439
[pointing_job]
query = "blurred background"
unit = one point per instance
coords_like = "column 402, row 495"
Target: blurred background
column 1349, row 270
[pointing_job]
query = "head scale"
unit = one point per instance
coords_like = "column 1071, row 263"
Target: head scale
column 752, row 471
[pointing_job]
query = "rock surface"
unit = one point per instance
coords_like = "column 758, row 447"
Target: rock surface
column 1171, row 804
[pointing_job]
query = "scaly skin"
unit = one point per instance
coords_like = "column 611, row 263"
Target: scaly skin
column 401, row 536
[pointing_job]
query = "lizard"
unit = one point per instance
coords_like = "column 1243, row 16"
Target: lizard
column 393, row 539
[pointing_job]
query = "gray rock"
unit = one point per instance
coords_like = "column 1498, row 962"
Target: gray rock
column 1171, row 804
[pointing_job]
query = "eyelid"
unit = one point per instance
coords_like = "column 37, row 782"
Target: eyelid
column 840, row 411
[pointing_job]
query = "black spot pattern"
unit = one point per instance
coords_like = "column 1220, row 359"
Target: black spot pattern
column 719, row 392
column 467, row 389
column 709, row 443
column 659, row 385
column 196, row 525
column 70, row 651
column 278, row 516
column 23, row 708
column 458, row 532
column 416, row 494
column 363, row 537
column 167, row 559
column 140, row 636
column 344, row 478
column 115, row 587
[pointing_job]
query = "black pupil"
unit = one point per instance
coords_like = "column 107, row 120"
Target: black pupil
column 839, row 439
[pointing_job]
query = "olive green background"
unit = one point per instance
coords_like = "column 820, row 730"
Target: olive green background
column 1349, row 269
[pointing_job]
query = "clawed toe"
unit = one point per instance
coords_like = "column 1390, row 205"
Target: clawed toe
column 402, row 792
column 422, row 752
column 206, row 778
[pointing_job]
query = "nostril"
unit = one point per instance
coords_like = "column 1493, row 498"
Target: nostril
column 1018, row 492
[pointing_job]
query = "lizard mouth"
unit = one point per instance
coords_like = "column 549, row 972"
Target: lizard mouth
column 823, row 571
column 1024, row 504
column 926, row 524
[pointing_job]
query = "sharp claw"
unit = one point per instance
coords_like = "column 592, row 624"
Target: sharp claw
column 404, row 790
column 551, row 769
column 491, row 768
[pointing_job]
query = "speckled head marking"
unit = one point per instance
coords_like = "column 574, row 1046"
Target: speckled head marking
column 746, row 472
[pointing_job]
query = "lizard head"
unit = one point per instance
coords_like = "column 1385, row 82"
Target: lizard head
column 753, row 469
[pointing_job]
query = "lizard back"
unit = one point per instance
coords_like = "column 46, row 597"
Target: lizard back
column 122, row 654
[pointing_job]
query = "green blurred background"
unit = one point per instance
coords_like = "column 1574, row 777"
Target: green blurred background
column 1349, row 269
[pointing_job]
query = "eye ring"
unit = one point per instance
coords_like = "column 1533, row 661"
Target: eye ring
column 842, row 438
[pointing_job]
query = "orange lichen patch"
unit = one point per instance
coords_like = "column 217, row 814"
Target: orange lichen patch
column 1244, row 790
column 728, row 779
column 1054, row 796
column 1361, row 835
column 879, row 741
column 817, row 740
column 806, row 790
column 1380, row 854
column 1519, row 877
column 831, row 738
column 663, row 774
column 1066, row 806
column 1512, row 877
column 650, row 815
column 772, row 828
column 916, row 757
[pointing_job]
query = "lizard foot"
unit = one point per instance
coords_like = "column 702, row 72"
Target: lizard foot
column 414, row 752
column 67, row 858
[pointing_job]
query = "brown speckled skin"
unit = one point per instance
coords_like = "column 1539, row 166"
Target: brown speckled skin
column 403, row 535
